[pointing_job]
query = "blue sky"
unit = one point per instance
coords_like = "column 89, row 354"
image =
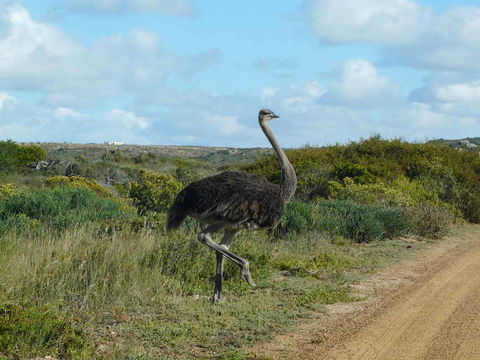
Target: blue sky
column 196, row 72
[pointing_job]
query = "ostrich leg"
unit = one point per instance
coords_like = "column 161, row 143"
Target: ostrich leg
column 227, row 239
column 205, row 238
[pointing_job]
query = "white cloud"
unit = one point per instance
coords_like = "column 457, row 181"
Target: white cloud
column 449, row 43
column 172, row 7
column 67, row 112
column 427, row 122
column 29, row 49
column 459, row 92
column 449, row 96
column 267, row 92
column 372, row 21
column 358, row 83
column 38, row 57
column 407, row 32
column 127, row 120
column 41, row 123
column 5, row 98
column 359, row 80
column 226, row 125
column 301, row 98
column 314, row 89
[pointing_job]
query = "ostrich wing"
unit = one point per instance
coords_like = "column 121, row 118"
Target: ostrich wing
column 235, row 197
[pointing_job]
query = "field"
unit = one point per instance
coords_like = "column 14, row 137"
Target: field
column 87, row 270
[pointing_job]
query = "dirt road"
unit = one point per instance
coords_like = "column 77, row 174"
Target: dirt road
column 426, row 308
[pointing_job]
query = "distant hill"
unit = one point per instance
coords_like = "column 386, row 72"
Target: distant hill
column 470, row 143
column 215, row 155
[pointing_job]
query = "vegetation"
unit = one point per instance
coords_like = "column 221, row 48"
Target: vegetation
column 14, row 157
column 84, row 274
column 154, row 192
column 56, row 208
column 7, row 190
column 360, row 223
column 386, row 172
column 32, row 330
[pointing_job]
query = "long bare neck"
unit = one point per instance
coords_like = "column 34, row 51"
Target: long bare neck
column 289, row 178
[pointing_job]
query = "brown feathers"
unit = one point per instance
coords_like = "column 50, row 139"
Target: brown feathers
column 237, row 198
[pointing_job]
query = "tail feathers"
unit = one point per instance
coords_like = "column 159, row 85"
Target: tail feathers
column 176, row 214
column 175, row 219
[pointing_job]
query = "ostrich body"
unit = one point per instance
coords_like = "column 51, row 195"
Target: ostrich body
column 235, row 200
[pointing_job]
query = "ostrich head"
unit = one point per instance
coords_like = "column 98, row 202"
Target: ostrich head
column 266, row 115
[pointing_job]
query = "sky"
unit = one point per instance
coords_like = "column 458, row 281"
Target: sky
column 196, row 72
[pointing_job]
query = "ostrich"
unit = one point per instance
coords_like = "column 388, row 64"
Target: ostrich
column 235, row 200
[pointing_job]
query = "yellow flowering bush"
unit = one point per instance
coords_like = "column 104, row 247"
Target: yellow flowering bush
column 154, row 192
column 7, row 190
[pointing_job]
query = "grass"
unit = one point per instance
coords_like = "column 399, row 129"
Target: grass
column 146, row 295
column 35, row 330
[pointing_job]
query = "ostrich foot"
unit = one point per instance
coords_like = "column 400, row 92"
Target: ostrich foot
column 217, row 298
column 246, row 275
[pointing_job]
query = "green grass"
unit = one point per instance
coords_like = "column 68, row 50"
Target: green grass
column 29, row 330
column 153, row 291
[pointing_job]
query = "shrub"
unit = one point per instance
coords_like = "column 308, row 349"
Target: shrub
column 19, row 223
column 357, row 172
column 185, row 175
column 361, row 223
column 313, row 181
column 28, row 154
column 430, row 221
column 8, row 155
column 7, row 190
column 29, row 331
column 401, row 192
column 79, row 182
column 395, row 169
column 299, row 216
column 16, row 157
column 59, row 207
column 115, row 156
column 154, row 192
column 351, row 220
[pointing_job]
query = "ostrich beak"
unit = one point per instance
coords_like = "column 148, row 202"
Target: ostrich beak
column 275, row 116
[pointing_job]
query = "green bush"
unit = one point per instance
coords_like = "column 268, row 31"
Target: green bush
column 357, row 172
column 58, row 207
column 299, row 216
column 79, row 182
column 395, row 170
column 8, row 155
column 353, row 221
column 19, row 223
column 313, row 180
column 28, row 154
column 15, row 157
column 29, row 331
column 361, row 223
column 401, row 192
column 154, row 192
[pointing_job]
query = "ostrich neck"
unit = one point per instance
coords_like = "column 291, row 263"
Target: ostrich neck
column 289, row 179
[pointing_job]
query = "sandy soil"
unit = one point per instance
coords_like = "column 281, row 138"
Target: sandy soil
column 424, row 308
